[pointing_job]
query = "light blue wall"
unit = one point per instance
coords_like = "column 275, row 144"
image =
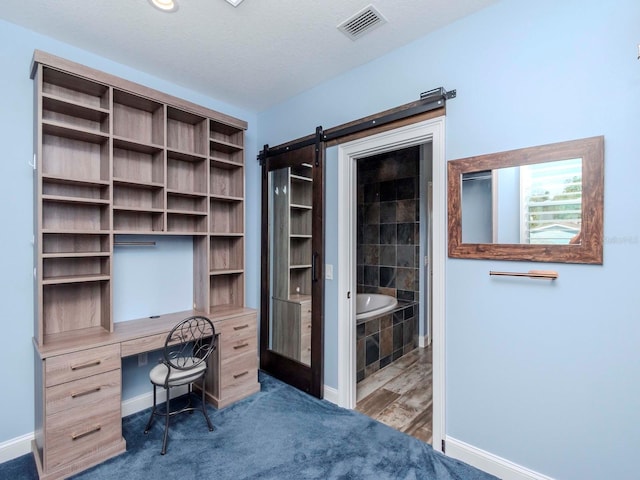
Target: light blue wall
column 542, row 374
column 16, row 217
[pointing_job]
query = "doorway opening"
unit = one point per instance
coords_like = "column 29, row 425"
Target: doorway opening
column 428, row 137
column 393, row 354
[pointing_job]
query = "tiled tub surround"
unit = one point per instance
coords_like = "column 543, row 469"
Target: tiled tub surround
column 384, row 339
column 388, row 224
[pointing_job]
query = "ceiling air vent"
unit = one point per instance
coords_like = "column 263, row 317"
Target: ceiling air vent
column 362, row 22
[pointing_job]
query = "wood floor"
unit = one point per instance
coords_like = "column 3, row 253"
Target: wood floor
column 400, row 395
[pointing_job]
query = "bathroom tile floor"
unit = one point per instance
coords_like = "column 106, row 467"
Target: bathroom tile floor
column 400, row 395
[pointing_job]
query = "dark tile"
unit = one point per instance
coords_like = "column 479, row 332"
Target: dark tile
column 397, row 354
column 360, row 329
column 371, row 234
column 406, row 188
column 387, row 212
column 385, row 361
column 386, row 342
column 360, row 274
column 359, row 375
column 406, row 211
column 388, row 234
column 372, row 349
column 406, row 295
column 388, row 255
column 406, row 278
column 360, row 253
column 360, row 354
column 387, row 277
column 371, row 214
column 409, row 312
column 371, row 255
column 405, row 256
column 371, row 275
column 372, row 193
column 398, row 337
column 407, row 333
column 372, row 368
column 372, row 326
column 398, row 317
column 406, row 234
column 388, row 191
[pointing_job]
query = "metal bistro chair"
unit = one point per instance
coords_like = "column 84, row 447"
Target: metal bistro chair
column 186, row 350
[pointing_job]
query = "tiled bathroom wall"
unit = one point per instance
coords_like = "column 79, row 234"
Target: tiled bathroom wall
column 388, row 255
column 388, row 224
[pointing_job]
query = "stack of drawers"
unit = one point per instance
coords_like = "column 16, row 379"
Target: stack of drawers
column 235, row 373
column 82, row 413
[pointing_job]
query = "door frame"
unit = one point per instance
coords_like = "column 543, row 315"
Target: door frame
column 429, row 131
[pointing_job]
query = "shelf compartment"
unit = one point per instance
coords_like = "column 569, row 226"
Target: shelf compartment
column 74, row 114
column 137, row 196
column 143, row 167
column 73, row 88
column 226, row 255
column 137, row 221
column 64, row 216
column 80, row 190
column 300, row 253
column 73, row 270
column 304, row 171
column 300, row 281
column 138, row 118
column 226, row 134
column 69, row 307
column 226, row 290
column 186, row 174
column 186, row 222
column 186, row 132
column 73, row 159
column 226, row 216
column 67, row 243
column 226, row 181
column 226, row 153
column 301, row 192
column 196, row 204
column 300, row 221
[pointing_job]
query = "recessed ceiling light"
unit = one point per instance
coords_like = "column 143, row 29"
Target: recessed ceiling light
column 165, row 5
column 235, row 3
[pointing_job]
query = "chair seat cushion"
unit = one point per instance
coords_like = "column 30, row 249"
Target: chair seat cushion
column 158, row 374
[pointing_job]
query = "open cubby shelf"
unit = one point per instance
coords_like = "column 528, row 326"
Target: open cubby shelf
column 115, row 157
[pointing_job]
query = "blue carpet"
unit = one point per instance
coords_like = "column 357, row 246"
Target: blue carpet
column 278, row 433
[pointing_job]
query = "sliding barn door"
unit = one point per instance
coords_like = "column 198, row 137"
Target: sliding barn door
column 291, row 325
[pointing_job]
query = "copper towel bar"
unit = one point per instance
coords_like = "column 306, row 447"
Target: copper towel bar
column 544, row 274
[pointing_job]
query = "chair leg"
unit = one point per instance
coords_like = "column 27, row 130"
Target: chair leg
column 166, row 424
column 153, row 412
column 204, row 406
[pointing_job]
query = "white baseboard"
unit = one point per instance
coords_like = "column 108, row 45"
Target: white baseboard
column 16, row 447
column 331, row 395
column 489, row 462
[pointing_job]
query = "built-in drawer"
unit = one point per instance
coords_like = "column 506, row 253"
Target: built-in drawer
column 238, row 328
column 143, row 344
column 84, row 393
column 231, row 350
column 77, row 433
column 72, row 366
column 238, row 374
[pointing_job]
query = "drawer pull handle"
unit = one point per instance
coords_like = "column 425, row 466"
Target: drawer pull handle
column 76, row 436
column 86, row 392
column 86, row 365
column 246, row 372
column 238, row 347
column 241, row 327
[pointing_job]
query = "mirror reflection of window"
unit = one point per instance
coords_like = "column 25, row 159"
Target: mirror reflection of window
column 551, row 199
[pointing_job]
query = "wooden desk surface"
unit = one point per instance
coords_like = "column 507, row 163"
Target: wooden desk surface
column 58, row 344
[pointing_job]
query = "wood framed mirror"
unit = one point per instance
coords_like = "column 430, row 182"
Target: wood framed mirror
column 542, row 204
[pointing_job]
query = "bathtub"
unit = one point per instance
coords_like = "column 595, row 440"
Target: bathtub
column 369, row 305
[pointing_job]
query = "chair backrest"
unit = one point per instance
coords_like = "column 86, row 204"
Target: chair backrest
column 189, row 343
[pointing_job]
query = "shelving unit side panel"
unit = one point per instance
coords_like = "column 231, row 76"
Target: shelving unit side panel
column 200, row 274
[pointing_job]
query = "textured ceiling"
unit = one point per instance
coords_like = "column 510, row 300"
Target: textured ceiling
column 253, row 56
